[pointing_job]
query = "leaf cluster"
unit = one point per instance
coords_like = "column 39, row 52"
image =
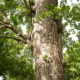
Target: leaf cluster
column 72, row 58
column 17, row 62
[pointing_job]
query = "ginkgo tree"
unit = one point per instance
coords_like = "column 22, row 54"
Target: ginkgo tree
column 43, row 21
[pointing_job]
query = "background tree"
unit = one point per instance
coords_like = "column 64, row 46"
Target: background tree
column 72, row 58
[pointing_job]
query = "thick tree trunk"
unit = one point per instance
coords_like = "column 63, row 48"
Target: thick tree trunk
column 47, row 43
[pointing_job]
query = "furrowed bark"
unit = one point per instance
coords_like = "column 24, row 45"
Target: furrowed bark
column 47, row 46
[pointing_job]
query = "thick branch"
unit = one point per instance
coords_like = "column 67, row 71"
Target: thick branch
column 2, row 27
column 19, row 40
column 7, row 24
column 10, row 26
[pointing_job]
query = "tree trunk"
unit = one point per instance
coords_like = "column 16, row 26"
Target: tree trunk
column 47, row 44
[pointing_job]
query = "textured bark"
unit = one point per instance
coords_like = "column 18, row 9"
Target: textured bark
column 47, row 41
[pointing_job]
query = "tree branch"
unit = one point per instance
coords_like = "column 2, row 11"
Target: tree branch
column 31, row 13
column 7, row 24
column 19, row 40
column 26, row 5
column 2, row 27
column 10, row 26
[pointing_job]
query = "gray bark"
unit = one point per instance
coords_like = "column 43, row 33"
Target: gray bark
column 47, row 44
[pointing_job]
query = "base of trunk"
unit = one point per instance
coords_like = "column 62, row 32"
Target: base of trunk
column 48, row 69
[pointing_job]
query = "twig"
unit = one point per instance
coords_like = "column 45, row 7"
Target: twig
column 26, row 5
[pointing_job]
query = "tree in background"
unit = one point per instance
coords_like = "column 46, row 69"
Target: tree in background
column 43, row 21
column 72, row 58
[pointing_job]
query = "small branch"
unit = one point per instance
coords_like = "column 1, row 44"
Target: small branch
column 4, row 16
column 31, row 15
column 30, row 4
column 26, row 5
column 19, row 40
column 2, row 27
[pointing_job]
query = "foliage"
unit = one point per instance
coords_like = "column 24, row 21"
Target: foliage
column 11, row 64
column 72, row 58
column 51, row 11
column 16, row 12
column 16, row 61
